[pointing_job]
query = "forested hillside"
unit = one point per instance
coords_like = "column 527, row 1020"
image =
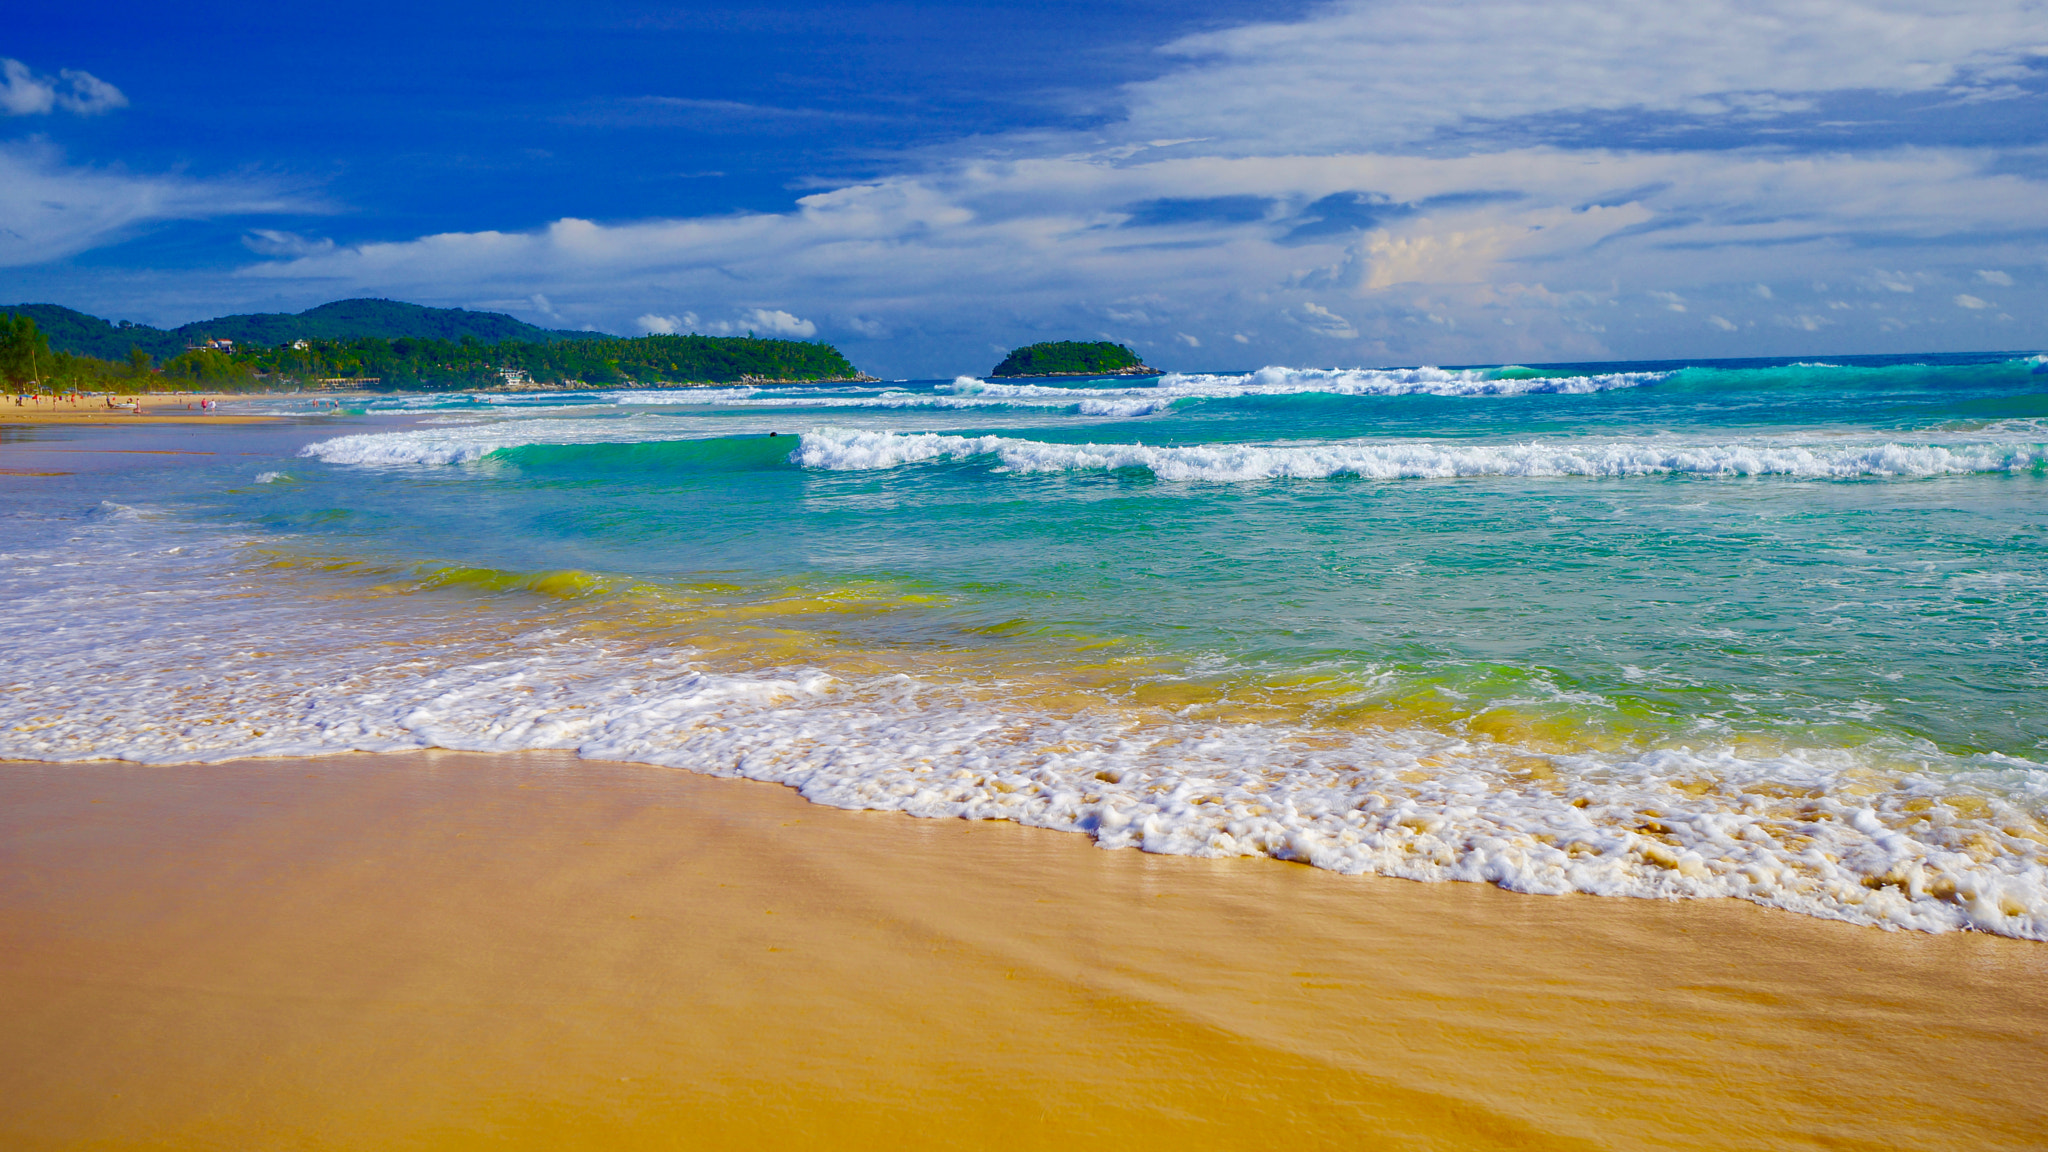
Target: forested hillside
column 76, row 332
column 409, row 363
column 49, row 346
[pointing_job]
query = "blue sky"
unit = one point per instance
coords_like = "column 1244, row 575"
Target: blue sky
column 1221, row 185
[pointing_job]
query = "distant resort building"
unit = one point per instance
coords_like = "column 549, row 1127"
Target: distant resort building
column 513, row 377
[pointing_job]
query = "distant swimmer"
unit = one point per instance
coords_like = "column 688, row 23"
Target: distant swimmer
column 773, row 435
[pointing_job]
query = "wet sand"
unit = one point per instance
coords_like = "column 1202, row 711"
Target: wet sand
column 443, row 950
column 157, row 408
column 150, row 414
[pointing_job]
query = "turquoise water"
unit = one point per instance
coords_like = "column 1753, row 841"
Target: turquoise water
column 1754, row 629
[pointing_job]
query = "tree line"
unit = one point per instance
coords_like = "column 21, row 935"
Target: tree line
column 422, row 363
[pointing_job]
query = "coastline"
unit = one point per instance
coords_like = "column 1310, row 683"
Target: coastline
column 671, row 385
column 157, row 408
column 458, row 950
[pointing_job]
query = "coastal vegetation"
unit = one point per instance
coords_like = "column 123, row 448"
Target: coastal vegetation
column 82, row 334
column 409, row 363
column 1072, row 358
column 402, row 362
column 29, row 363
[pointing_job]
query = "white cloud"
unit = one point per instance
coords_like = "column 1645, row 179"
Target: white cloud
column 1322, row 321
column 49, row 210
column 776, row 322
column 654, row 324
column 25, row 93
column 1965, row 300
column 271, row 242
column 1993, row 276
column 1372, row 73
column 759, row 321
column 1188, row 340
column 1465, row 253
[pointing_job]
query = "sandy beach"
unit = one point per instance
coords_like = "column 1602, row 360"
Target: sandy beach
column 158, row 408
column 458, row 951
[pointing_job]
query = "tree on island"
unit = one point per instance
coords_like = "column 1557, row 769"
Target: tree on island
column 1073, row 358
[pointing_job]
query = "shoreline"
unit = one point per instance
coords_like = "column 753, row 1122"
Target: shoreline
column 157, row 408
column 451, row 949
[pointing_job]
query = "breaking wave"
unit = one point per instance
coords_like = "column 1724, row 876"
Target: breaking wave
column 852, row 450
column 1835, row 833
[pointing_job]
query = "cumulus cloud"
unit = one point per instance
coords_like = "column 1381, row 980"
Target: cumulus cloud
column 1965, row 300
column 1993, row 276
column 1322, row 321
column 1026, row 238
column 759, row 321
column 50, row 209
column 1352, row 172
column 24, row 92
column 655, row 324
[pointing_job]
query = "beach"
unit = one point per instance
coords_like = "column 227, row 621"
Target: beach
column 157, row 408
column 458, row 951
column 599, row 771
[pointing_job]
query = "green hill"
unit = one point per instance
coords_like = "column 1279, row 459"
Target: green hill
column 428, row 363
column 76, row 332
column 1073, row 358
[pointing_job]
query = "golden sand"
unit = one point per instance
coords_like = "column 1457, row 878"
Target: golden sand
column 159, row 408
column 460, row 951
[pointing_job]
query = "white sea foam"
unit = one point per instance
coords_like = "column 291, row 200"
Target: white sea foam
column 1090, row 398
column 140, row 639
column 677, row 395
column 468, row 438
column 466, row 443
column 852, row 449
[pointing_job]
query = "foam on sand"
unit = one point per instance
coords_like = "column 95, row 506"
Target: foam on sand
column 283, row 663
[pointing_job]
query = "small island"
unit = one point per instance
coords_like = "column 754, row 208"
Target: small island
column 1073, row 358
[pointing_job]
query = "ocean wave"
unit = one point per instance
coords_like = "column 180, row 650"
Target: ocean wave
column 1827, row 832
column 468, row 443
column 836, row 449
column 1277, row 380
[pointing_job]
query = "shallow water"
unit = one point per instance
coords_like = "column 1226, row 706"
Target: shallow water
column 1763, row 630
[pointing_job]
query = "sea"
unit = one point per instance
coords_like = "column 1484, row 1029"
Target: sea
column 1761, row 629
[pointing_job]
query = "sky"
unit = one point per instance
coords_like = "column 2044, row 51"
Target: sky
column 1219, row 185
